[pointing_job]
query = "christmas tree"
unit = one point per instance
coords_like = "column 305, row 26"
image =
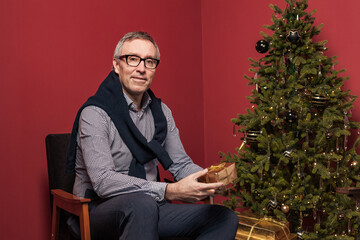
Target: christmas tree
column 295, row 151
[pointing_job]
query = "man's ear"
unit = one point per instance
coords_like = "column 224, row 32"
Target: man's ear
column 116, row 65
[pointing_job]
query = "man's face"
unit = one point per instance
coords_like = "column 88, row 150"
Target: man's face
column 135, row 80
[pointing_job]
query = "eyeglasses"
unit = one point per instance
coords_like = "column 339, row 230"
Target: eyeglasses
column 134, row 61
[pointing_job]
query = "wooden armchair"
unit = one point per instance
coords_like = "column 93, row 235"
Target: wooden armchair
column 60, row 185
column 63, row 202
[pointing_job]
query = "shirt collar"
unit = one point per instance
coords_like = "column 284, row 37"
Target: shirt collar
column 145, row 102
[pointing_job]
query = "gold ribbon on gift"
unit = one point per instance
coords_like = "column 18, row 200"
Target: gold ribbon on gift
column 267, row 219
column 217, row 168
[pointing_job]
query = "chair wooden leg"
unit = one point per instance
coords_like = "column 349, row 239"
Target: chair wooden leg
column 84, row 223
column 55, row 223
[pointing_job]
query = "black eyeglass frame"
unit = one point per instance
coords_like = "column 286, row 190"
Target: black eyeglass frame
column 141, row 59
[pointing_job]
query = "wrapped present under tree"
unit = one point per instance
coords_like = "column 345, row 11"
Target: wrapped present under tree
column 252, row 227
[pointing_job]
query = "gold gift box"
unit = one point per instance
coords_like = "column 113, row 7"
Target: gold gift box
column 225, row 173
column 252, row 227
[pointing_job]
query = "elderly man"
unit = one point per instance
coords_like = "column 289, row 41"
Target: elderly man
column 119, row 136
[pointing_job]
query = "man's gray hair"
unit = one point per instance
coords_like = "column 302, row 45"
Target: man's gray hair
column 135, row 35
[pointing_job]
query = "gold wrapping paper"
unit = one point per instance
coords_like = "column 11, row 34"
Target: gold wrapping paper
column 252, row 227
column 224, row 172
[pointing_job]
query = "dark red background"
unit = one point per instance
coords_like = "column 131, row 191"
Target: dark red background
column 54, row 54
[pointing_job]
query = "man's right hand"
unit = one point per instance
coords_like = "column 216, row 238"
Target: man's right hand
column 190, row 190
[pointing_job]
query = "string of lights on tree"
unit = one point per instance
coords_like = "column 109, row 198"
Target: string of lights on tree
column 295, row 150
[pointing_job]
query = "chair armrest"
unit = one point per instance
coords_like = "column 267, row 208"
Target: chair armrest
column 69, row 202
column 68, row 197
column 350, row 191
column 72, row 204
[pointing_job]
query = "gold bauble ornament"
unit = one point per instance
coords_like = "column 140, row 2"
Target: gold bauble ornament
column 285, row 208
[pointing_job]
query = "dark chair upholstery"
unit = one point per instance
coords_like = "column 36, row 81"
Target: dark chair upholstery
column 56, row 148
column 60, row 184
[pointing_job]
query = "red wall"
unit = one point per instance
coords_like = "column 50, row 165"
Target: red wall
column 230, row 30
column 54, row 54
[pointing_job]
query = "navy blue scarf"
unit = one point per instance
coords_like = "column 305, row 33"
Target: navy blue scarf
column 111, row 99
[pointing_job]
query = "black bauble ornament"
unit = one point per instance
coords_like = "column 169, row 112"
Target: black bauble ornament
column 272, row 205
column 293, row 36
column 287, row 153
column 300, row 233
column 262, row 46
column 251, row 136
column 319, row 100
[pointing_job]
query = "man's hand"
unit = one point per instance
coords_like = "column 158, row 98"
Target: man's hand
column 190, row 190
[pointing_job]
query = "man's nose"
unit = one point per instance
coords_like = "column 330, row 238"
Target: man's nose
column 141, row 66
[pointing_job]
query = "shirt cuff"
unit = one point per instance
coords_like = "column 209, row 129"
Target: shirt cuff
column 158, row 190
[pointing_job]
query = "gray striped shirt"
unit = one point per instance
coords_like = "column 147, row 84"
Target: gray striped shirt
column 103, row 159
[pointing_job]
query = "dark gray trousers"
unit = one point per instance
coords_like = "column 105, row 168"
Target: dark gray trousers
column 138, row 216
